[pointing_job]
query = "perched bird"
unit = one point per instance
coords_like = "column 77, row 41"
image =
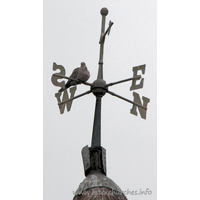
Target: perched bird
column 81, row 74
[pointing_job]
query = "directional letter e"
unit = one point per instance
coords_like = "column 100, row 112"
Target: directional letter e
column 135, row 70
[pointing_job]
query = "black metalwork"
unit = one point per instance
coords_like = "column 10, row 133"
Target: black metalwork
column 99, row 87
column 94, row 157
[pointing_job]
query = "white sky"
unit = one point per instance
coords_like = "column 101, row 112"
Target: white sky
column 21, row 143
column 71, row 36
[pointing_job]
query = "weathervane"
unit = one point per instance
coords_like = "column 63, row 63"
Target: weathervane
column 99, row 87
column 94, row 157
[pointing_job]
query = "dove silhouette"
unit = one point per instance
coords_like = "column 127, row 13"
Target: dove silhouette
column 81, row 74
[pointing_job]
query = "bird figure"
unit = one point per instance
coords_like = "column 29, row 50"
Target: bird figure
column 81, row 74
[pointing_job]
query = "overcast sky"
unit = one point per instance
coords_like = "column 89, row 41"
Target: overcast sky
column 71, row 36
column 23, row 86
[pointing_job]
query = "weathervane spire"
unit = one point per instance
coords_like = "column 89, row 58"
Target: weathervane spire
column 104, row 12
column 99, row 87
column 94, row 157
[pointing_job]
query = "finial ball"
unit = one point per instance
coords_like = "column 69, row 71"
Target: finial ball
column 104, row 11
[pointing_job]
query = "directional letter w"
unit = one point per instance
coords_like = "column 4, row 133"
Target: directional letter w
column 65, row 99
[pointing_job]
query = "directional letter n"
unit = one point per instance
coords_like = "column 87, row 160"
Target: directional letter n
column 142, row 110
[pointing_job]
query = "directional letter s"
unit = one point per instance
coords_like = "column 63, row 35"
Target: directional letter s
column 54, row 79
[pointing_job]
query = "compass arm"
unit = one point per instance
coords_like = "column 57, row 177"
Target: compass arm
column 72, row 79
column 129, row 79
column 76, row 97
column 116, row 95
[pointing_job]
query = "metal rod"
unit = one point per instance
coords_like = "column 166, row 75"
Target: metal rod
column 88, row 92
column 96, row 134
column 132, row 102
column 100, row 71
column 129, row 79
column 72, row 79
column 107, row 32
